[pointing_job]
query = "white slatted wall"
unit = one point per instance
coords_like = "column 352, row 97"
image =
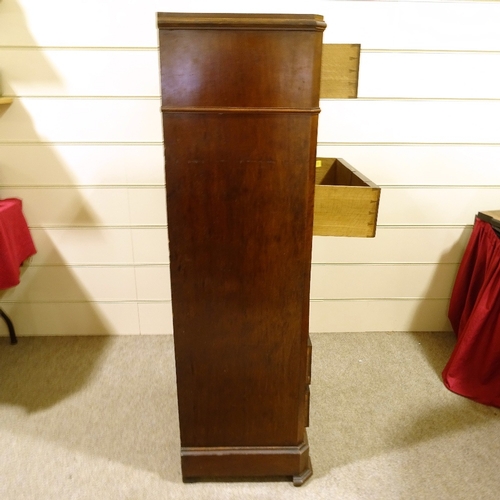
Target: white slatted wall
column 82, row 146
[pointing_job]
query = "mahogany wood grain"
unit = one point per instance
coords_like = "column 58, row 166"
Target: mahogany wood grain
column 240, row 99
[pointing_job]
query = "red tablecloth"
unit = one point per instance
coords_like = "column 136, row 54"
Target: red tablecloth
column 16, row 244
column 474, row 366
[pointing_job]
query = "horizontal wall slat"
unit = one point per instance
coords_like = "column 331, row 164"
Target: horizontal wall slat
column 82, row 120
column 91, row 164
column 54, row 72
column 108, row 164
column 81, row 246
column 432, row 25
column 395, row 245
column 91, row 318
column 106, row 206
column 446, row 206
column 83, row 318
column 379, row 315
column 152, row 283
column 92, row 23
column 98, row 318
column 74, row 164
column 139, row 120
column 373, row 24
column 73, row 246
column 91, row 206
column 421, row 165
column 446, row 75
column 63, row 283
column 93, row 283
column 347, row 120
column 326, row 316
column 409, row 121
column 431, row 281
column 115, row 73
column 77, row 246
column 72, row 206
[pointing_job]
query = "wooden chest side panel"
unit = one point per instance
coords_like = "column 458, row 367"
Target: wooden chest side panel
column 239, row 197
column 240, row 68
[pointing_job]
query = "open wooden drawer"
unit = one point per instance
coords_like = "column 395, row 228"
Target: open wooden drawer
column 345, row 201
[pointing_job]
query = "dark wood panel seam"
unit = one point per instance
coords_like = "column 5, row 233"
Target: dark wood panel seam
column 238, row 110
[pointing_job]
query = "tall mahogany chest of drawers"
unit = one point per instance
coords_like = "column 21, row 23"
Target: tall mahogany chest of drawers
column 240, row 96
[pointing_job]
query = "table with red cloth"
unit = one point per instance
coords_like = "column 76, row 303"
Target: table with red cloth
column 16, row 245
column 473, row 369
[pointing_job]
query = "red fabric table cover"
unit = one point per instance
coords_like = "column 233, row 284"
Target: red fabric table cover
column 16, row 244
column 473, row 369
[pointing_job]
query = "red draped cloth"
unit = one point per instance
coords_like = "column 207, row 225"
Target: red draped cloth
column 474, row 366
column 16, row 244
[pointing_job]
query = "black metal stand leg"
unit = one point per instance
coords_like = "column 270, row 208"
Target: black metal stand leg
column 10, row 326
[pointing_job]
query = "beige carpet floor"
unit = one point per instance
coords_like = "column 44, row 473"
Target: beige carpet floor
column 96, row 418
